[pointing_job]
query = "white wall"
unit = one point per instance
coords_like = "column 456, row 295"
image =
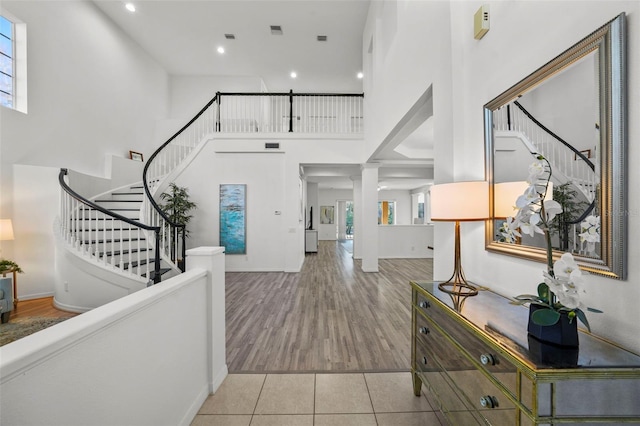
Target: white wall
column 466, row 73
column 405, row 241
column 124, row 362
column 274, row 242
column 93, row 94
column 482, row 79
column 190, row 93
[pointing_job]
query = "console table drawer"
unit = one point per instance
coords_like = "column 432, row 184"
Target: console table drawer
column 456, row 381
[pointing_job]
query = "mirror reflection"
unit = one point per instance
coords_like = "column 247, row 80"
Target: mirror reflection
column 571, row 111
column 558, row 119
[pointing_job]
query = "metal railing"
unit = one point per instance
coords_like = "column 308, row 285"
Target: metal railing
column 290, row 112
column 566, row 159
column 108, row 238
column 239, row 113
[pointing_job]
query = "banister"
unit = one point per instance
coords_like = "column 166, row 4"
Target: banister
column 156, row 229
column 558, row 138
column 83, row 200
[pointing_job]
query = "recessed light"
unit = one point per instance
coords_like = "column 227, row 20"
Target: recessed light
column 293, row 74
column 130, row 7
column 220, row 49
column 360, row 75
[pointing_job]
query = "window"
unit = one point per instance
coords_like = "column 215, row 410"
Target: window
column 386, row 212
column 7, row 63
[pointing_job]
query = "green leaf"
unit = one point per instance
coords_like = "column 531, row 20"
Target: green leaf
column 597, row 311
column 543, row 292
column 582, row 317
column 545, row 317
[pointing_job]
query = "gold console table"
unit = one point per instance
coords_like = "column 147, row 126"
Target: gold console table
column 483, row 368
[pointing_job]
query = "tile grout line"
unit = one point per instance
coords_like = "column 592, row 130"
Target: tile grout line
column 370, row 399
column 255, row 407
column 315, row 383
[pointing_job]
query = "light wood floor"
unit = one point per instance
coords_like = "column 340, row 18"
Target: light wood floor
column 42, row 308
column 329, row 317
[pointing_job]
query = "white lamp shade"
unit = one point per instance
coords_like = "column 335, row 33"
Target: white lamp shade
column 6, row 230
column 460, row 201
column 505, row 195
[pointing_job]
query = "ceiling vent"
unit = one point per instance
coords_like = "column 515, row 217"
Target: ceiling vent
column 322, row 38
column 276, row 30
column 272, row 145
column 230, row 36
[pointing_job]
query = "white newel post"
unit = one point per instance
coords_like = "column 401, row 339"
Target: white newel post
column 212, row 259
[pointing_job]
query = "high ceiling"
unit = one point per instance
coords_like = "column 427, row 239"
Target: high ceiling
column 183, row 36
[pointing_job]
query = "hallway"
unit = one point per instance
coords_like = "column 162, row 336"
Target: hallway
column 330, row 317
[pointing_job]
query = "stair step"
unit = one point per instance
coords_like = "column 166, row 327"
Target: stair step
column 127, row 193
column 103, row 218
column 123, row 252
column 108, row 241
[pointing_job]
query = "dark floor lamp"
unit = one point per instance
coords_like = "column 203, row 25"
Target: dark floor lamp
column 459, row 202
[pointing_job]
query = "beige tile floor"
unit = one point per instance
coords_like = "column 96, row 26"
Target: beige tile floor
column 353, row 399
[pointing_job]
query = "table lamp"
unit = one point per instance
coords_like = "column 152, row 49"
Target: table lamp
column 459, row 202
column 505, row 195
column 6, row 230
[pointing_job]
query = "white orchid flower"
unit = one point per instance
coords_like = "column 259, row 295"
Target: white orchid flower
column 530, row 196
column 565, row 266
column 530, row 227
column 552, row 208
column 536, row 170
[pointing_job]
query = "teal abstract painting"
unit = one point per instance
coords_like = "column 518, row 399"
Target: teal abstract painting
column 233, row 218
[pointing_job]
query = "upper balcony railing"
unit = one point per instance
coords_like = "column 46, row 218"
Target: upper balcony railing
column 289, row 112
column 311, row 113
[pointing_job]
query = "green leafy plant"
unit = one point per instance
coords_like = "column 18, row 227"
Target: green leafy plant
column 567, row 197
column 177, row 205
column 7, row 265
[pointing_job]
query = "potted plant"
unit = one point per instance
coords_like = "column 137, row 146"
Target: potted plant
column 177, row 206
column 557, row 304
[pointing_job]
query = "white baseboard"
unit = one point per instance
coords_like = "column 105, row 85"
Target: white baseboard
column 36, row 296
column 218, row 378
column 195, row 407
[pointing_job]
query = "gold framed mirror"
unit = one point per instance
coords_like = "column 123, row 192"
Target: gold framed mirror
column 572, row 110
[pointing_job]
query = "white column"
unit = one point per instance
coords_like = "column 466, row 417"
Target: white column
column 369, row 218
column 341, row 219
column 212, row 259
column 357, row 218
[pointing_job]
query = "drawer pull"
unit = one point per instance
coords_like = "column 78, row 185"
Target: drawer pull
column 424, row 304
column 488, row 359
column 489, row 401
column 424, row 360
column 424, row 330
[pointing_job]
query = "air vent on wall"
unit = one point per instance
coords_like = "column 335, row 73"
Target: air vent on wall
column 230, row 36
column 272, row 145
column 322, row 38
column 276, row 30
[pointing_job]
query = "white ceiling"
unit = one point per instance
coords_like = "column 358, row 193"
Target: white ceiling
column 183, row 35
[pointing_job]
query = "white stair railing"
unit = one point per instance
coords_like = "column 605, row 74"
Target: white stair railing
column 565, row 159
column 108, row 239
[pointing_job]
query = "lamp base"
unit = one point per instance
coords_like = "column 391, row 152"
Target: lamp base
column 458, row 291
